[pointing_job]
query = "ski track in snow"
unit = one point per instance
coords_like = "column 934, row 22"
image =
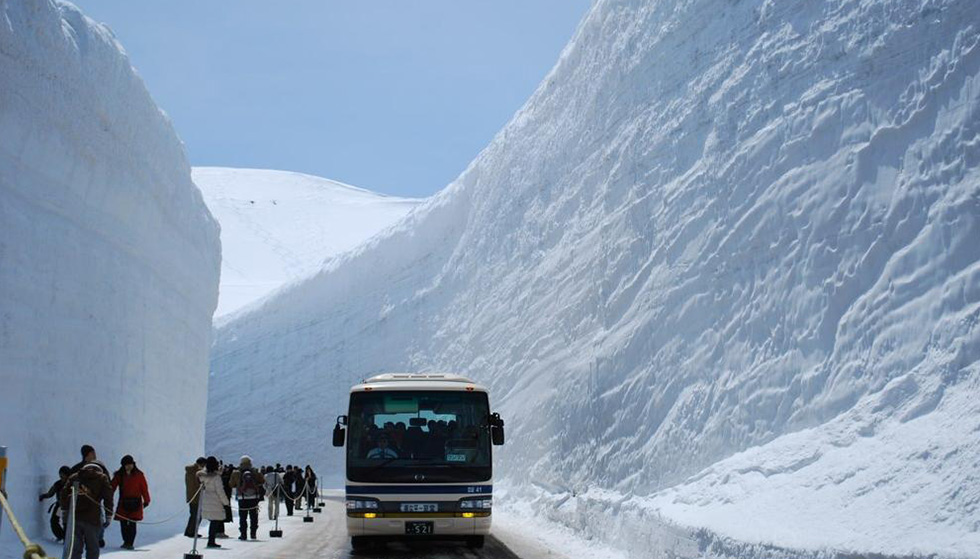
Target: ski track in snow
column 720, row 272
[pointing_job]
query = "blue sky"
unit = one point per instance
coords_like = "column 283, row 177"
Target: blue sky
column 396, row 96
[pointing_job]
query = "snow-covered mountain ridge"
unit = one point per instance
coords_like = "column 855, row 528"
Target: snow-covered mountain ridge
column 279, row 226
column 721, row 271
column 109, row 266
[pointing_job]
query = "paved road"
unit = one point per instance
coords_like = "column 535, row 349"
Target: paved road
column 494, row 549
column 325, row 538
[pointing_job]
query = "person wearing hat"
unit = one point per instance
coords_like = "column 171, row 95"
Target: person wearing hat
column 248, row 484
column 134, row 496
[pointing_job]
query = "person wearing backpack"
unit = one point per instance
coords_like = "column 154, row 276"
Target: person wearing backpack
column 247, row 482
column 94, row 496
column 134, row 496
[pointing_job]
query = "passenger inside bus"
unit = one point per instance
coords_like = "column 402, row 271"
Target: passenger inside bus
column 382, row 450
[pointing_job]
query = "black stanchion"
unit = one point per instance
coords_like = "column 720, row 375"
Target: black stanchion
column 200, row 502
column 308, row 518
column 277, row 533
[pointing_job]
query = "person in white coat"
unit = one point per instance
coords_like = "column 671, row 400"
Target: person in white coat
column 273, row 491
column 213, row 499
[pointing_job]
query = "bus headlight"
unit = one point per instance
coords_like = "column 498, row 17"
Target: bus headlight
column 474, row 505
column 361, row 505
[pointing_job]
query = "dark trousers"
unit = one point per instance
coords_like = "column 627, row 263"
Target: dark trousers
column 87, row 538
column 216, row 527
column 248, row 509
column 128, row 530
column 192, row 522
column 289, row 505
column 57, row 528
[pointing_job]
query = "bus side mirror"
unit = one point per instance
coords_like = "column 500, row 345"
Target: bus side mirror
column 339, row 433
column 496, row 429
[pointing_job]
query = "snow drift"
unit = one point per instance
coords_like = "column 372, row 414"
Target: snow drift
column 108, row 265
column 720, row 272
column 279, row 226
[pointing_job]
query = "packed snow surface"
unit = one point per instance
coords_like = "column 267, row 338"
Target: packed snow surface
column 721, row 274
column 278, row 226
column 109, row 265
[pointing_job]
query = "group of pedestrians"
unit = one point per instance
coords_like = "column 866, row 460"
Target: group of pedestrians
column 209, row 483
column 209, row 486
column 94, row 506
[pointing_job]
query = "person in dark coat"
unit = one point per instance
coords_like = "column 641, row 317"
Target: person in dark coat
column 310, row 486
column 226, row 472
column 134, row 496
column 89, row 457
column 299, row 487
column 57, row 520
column 95, row 495
column 192, row 484
column 247, row 482
column 288, row 481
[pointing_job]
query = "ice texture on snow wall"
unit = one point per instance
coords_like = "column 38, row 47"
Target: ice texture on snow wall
column 724, row 263
column 109, row 265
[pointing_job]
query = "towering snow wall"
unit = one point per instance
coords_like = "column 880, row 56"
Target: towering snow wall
column 278, row 226
column 721, row 271
column 108, row 265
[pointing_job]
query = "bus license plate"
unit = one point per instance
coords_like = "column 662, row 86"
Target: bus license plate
column 419, row 507
column 419, row 528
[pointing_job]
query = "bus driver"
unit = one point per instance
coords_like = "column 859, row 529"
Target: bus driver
column 382, row 450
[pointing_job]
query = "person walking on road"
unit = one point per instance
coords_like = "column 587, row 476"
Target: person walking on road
column 89, row 457
column 134, row 496
column 213, row 498
column 310, row 486
column 273, row 490
column 247, row 482
column 226, row 471
column 288, row 480
column 58, row 525
column 94, row 496
column 299, row 487
column 191, row 487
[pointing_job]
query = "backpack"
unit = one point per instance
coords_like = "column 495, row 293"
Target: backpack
column 248, row 488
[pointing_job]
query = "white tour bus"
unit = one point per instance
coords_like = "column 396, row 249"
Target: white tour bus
column 419, row 460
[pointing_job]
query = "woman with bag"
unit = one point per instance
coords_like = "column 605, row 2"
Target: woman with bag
column 134, row 496
column 213, row 499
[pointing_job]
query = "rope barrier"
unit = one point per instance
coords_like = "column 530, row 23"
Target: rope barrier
column 146, row 522
column 31, row 549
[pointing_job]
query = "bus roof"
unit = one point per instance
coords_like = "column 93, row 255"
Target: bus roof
column 421, row 381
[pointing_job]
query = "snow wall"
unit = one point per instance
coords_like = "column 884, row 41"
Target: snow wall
column 721, row 273
column 109, row 266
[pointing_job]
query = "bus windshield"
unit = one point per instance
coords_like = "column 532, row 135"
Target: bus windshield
column 418, row 436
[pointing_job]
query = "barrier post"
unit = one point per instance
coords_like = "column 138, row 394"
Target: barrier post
column 200, row 507
column 69, row 546
column 276, row 533
column 3, row 476
column 306, row 493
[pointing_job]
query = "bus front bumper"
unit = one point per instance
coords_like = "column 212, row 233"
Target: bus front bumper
column 453, row 526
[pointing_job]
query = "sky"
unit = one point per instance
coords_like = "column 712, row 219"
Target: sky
column 396, row 96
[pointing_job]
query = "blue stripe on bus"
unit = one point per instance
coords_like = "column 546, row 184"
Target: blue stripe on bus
column 419, row 489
